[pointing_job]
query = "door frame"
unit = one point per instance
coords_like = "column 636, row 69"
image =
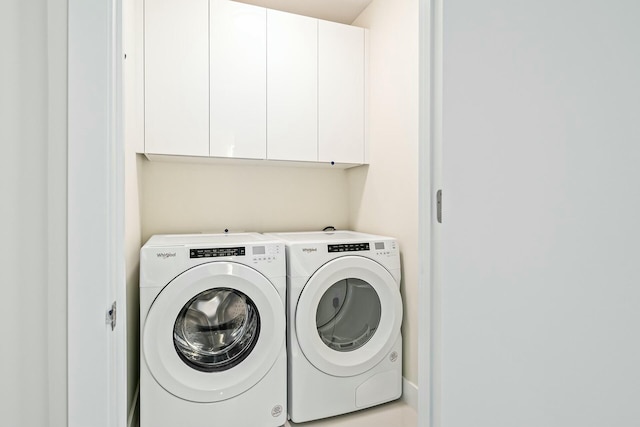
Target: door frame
column 97, row 377
column 429, row 181
column 90, row 90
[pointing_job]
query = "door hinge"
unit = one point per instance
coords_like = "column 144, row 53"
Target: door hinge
column 111, row 316
column 439, row 206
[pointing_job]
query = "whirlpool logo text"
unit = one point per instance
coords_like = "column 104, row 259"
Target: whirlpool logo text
column 309, row 250
column 166, row 255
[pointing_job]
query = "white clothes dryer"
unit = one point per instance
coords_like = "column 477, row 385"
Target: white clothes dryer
column 212, row 331
column 344, row 316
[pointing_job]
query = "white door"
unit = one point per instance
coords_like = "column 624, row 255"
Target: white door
column 96, row 367
column 348, row 316
column 341, row 81
column 238, row 78
column 292, row 87
column 176, row 77
column 540, row 232
column 213, row 332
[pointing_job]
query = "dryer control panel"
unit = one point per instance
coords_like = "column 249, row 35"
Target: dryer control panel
column 348, row 247
column 386, row 248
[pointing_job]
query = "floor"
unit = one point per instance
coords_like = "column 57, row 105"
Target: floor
column 395, row 414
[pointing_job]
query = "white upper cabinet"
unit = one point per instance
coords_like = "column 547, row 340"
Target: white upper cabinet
column 176, row 77
column 233, row 80
column 238, row 80
column 341, row 93
column 292, row 87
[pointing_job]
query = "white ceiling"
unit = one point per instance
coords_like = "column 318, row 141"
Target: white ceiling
column 344, row 11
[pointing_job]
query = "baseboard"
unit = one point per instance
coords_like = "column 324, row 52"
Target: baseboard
column 133, row 418
column 410, row 393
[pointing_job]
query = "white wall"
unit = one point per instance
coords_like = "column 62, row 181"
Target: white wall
column 193, row 198
column 384, row 196
column 133, row 97
column 33, row 211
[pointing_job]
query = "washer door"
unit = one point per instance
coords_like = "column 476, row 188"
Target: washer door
column 214, row 331
column 348, row 316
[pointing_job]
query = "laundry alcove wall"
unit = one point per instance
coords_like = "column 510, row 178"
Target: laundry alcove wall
column 194, row 198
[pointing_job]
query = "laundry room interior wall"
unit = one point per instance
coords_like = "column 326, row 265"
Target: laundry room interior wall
column 384, row 196
column 133, row 113
column 133, row 242
column 197, row 198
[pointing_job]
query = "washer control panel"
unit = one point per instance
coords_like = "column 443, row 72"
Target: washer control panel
column 216, row 252
column 265, row 253
column 258, row 253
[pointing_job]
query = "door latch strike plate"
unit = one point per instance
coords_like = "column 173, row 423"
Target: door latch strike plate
column 111, row 316
column 439, row 206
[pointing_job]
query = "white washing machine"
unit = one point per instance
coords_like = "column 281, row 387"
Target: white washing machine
column 212, row 320
column 344, row 316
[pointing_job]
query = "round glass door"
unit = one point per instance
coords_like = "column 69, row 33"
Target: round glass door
column 213, row 332
column 348, row 314
column 216, row 330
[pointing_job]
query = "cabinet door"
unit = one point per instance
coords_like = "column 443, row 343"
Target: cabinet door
column 176, row 77
column 341, row 93
column 292, row 87
column 238, row 80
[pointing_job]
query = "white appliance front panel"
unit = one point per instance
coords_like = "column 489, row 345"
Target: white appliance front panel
column 348, row 363
column 182, row 380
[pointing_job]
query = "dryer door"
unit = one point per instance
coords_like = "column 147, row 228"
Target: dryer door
column 348, row 316
column 214, row 331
